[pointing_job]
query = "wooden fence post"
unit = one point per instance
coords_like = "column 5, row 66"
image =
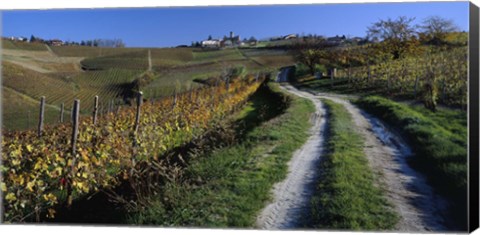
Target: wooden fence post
column 112, row 106
column 75, row 119
column 95, row 110
column 174, row 98
column 137, row 116
column 75, row 114
column 41, row 116
column 62, row 110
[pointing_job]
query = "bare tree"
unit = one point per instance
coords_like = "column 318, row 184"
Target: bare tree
column 437, row 28
column 310, row 52
column 397, row 35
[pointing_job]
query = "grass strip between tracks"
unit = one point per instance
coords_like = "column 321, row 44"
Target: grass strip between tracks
column 347, row 196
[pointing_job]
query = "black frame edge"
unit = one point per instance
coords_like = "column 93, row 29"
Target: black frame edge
column 473, row 105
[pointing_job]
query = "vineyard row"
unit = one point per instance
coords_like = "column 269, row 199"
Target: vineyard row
column 41, row 172
column 446, row 72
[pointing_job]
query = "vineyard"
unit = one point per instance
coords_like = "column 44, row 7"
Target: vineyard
column 110, row 73
column 85, row 51
column 441, row 76
column 41, row 172
column 217, row 55
column 131, row 60
column 167, row 57
column 26, row 110
column 8, row 44
column 111, row 85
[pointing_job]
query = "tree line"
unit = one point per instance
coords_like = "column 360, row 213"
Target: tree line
column 92, row 43
column 389, row 40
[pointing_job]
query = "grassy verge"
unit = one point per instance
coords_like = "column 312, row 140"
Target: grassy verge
column 228, row 187
column 440, row 151
column 347, row 197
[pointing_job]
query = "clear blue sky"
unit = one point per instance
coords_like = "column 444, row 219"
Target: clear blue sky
column 164, row 27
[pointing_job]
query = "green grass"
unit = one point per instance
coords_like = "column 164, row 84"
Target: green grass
column 452, row 120
column 440, row 149
column 347, row 197
column 229, row 186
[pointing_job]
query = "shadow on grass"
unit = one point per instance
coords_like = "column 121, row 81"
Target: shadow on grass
column 262, row 106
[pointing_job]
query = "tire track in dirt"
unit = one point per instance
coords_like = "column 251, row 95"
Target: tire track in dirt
column 292, row 196
column 419, row 207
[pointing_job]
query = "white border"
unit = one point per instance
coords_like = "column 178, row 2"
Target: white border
column 59, row 4
column 62, row 4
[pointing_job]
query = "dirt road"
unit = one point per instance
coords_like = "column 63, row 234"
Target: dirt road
column 419, row 208
column 292, row 196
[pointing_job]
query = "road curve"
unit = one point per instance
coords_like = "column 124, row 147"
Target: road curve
column 419, row 207
column 292, row 196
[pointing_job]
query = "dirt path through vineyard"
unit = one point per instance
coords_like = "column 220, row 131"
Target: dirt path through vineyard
column 419, row 208
column 291, row 196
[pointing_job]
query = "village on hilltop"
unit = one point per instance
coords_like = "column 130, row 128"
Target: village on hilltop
column 230, row 41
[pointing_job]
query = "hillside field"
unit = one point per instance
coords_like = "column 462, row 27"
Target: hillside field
column 65, row 73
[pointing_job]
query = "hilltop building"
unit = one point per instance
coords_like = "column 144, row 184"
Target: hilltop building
column 18, row 39
column 214, row 43
column 55, row 42
column 230, row 41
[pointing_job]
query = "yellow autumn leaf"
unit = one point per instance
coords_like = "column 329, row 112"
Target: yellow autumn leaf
column 10, row 197
column 15, row 162
column 21, row 180
column 59, row 170
column 3, row 186
column 30, row 186
column 50, row 197
column 38, row 165
column 29, row 148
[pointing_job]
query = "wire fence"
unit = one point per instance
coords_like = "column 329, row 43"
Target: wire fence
column 28, row 118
